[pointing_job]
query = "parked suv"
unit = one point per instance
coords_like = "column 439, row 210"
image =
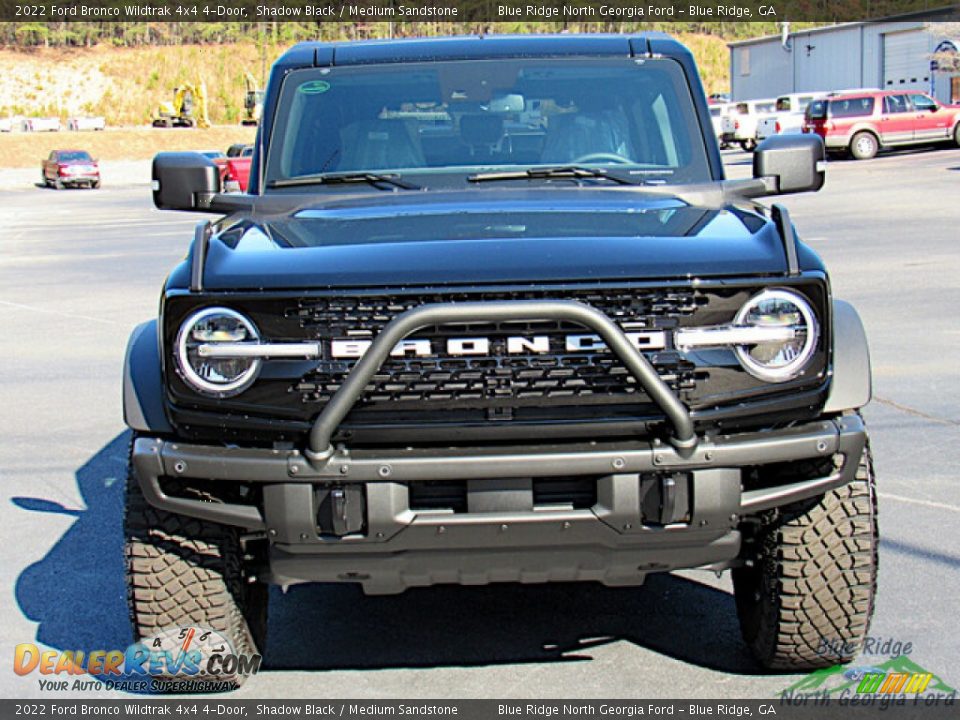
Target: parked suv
column 491, row 312
column 862, row 123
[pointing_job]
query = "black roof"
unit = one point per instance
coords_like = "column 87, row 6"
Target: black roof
column 475, row 47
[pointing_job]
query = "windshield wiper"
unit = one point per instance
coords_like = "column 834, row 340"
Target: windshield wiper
column 575, row 172
column 374, row 179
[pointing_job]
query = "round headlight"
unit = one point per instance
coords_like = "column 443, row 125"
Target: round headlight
column 221, row 376
column 779, row 360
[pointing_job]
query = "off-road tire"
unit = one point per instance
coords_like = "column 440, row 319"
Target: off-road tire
column 807, row 600
column 864, row 146
column 183, row 572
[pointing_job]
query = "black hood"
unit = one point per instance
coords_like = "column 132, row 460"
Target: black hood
column 502, row 235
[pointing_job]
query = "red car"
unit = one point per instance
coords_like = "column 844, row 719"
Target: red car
column 863, row 122
column 70, row 167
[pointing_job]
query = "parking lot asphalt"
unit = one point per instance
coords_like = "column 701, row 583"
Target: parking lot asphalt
column 79, row 269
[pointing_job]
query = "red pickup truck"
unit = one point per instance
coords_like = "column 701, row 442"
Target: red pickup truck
column 235, row 168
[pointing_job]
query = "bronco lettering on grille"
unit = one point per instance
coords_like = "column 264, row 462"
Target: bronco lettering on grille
column 515, row 345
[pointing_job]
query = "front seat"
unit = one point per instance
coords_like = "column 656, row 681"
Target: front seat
column 574, row 135
column 380, row 145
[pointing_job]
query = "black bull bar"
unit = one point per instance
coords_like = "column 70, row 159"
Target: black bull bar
column 320, row 448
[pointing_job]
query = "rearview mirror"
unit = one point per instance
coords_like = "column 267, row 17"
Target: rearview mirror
column 184, row 181
column 791, row 163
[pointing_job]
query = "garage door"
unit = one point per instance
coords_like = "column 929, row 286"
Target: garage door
column 906, row 61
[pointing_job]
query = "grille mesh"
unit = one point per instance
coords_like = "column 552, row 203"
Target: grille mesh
column 334, row 317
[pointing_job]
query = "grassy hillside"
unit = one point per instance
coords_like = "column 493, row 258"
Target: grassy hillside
column 126, row 84
column 123, row 84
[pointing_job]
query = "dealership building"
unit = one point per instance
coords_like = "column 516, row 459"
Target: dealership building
column 893, row 54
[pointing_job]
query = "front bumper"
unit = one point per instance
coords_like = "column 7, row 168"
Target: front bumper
column 79, row 179
column 388, row 546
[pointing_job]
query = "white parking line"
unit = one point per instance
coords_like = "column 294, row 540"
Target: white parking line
column 913, row 411
column 20, row 306
column 916, row 501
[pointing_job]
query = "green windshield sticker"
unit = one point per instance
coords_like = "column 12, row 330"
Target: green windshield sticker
column 314, row 87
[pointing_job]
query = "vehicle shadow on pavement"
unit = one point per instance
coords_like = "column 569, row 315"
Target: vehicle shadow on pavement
column 333, row 627
column 77, row 595
column 76, row 592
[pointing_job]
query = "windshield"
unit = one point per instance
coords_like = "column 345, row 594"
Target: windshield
column 817, row 110
column 454, row 118
column 74, row 156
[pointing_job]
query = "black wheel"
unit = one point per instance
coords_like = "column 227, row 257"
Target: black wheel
column 58, row 184
column 183, row 572
column 956, row 135
column 95, row 185
column 807, row 600
column 864, row 146
column 748, row 145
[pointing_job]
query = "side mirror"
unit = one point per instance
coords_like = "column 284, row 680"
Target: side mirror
column 791, row 163
column 184, row 181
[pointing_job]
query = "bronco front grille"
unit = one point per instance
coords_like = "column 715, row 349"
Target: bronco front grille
column 497, row 379
column 551, row 392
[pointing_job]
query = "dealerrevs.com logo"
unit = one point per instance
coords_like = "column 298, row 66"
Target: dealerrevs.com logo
column 185, row 660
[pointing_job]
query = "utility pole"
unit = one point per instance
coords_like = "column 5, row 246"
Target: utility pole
column 263, row 54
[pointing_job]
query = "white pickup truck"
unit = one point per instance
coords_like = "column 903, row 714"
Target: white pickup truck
column 787, row 117
column 718, row 112
column 86, row 123
column 740, row 122
column 40, row 124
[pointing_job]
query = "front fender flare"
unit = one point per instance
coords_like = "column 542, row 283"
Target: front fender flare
column 143, row 382
column 851, row 386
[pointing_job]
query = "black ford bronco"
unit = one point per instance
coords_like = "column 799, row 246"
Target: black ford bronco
column 490, row 312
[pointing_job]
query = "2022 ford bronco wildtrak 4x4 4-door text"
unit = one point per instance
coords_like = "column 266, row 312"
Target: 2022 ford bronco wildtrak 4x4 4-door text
column 490, row 312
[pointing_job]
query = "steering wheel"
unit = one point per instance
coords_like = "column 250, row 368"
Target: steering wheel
column 598, row 156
